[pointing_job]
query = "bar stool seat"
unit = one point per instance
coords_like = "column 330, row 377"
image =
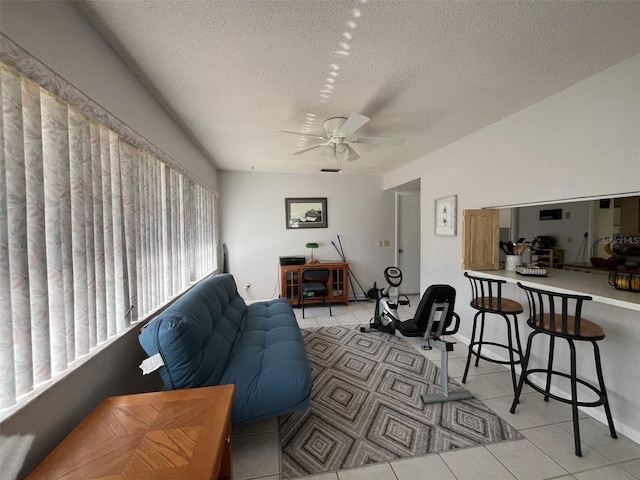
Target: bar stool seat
column 560, row 315
column 588, row 329
column 487, row 298
column 497, row 305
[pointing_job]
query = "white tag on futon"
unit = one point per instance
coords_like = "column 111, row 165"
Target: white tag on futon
column 151, row 364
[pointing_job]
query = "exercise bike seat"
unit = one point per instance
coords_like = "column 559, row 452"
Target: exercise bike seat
column 433, row 298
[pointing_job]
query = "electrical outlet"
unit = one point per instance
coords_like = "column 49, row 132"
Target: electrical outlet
column 379, row 243
column 387, row 243
column 569, row 239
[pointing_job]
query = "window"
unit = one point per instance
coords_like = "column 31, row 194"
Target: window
column 95, row 234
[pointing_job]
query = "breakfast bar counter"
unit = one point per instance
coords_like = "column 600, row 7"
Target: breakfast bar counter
column 569, row 281
column 617, row 312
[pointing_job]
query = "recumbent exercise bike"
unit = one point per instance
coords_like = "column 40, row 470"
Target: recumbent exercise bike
column 433, row 318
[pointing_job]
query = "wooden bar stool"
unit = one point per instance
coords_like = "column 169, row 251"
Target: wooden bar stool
column 486, row 298
column 559, row 315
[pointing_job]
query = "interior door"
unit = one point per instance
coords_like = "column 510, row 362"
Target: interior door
column 408, row 240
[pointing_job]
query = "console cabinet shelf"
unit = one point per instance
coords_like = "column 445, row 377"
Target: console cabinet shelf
column 290, row 276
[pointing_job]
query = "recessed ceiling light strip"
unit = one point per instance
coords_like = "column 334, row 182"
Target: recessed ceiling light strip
column 343, row 51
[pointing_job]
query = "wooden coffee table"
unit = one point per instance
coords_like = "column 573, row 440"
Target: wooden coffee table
column 179, row 434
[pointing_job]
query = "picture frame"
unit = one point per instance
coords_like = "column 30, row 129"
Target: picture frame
column 306, row 212
column 446, row 216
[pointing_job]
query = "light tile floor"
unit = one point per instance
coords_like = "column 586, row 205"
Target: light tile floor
column 546, row 452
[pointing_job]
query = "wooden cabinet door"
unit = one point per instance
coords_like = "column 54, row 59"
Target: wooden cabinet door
column 289, row 282
column 480, row 239
column 290, row 276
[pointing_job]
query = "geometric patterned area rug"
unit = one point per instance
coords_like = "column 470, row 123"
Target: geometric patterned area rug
column 366, row 407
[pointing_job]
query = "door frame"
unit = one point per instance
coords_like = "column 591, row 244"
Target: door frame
column 396, row 260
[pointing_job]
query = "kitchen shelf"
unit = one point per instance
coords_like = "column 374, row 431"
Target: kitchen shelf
column 548, row 257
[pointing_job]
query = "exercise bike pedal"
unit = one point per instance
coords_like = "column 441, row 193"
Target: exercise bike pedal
column 404, row 301
column 372, row 325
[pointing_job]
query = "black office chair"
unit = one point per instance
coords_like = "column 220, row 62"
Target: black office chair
column 559, row 315
column 314, row 281
column 434, row 317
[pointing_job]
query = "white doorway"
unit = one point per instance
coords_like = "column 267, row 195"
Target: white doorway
column 408, row 240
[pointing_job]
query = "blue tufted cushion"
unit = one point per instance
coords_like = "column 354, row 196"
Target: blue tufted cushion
column 269, row 364
column 196, row 334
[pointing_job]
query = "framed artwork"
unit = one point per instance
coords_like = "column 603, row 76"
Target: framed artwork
column 445, row 220
column 306, row 212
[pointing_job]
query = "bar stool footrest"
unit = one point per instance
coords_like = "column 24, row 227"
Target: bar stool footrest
column 515, row 351
column 569, row 401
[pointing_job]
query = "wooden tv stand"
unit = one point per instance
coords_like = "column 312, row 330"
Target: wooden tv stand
column 290, row 276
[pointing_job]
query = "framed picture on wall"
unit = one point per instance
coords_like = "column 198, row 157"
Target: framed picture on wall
column 306, row 212
column 445, row 219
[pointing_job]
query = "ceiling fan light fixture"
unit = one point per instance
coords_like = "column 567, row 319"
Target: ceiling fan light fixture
column 338, row 132
column 328, row 151
column 342, row 152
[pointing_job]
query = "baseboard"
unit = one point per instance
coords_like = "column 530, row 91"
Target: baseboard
column 596, row 413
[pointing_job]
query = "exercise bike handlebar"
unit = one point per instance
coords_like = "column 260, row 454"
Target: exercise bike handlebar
column 455, row 320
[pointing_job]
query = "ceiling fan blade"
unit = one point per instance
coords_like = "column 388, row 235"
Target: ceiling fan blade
column 307, row 149
column 319, row 137
column 353, row 123
column 379, row 140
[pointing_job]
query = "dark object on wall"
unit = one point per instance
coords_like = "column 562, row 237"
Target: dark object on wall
column 306, row 212
column 605, row 203
column 552, row 214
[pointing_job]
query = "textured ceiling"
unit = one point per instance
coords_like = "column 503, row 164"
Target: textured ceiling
column 235, row 73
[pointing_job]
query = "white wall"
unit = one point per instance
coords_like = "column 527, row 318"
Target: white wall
column 252, row 219
column 584, row 141
column 53, row 33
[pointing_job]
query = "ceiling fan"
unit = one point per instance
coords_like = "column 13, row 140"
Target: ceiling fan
column 337, row 137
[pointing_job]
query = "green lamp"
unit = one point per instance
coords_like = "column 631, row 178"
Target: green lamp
column 312, row 246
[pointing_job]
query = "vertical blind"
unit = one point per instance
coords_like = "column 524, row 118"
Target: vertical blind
column 95, row 234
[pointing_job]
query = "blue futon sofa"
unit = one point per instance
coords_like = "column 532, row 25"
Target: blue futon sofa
column 211, row 337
